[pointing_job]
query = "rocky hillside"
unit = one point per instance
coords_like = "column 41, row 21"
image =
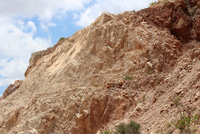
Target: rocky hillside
column 142, row 66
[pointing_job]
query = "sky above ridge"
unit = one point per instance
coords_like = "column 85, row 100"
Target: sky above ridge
column 27, row 26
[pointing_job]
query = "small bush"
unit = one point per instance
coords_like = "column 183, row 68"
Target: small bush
column 195, row 119
column 152, row 3
column 143, row 98
column 62, row 38
column 121, row 129
column 128, row 78
column 107, row 132
column 183, row 121
column 96, row 85
column 131, row 128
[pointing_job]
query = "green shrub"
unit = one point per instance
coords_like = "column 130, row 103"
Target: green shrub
column 152, row 3
column 107, row 132
column 195, row 119
column 143, row 98
column 96, row 85
column 183, row 121
column 121, row 129
column 131, row 128
column 128, row 78
column 62, row 38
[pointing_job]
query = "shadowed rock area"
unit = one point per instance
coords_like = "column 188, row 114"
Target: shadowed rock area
column 181, row 18
column 142, row 66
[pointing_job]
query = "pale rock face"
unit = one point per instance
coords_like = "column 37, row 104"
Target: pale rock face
column 78, row 86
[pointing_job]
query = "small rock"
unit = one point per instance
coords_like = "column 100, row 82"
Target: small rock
column 197, row 94
column 78, row 115
column 139, row 107
column 178, row 91
column 154, row 99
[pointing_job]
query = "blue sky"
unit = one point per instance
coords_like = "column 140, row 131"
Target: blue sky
column 30, row 26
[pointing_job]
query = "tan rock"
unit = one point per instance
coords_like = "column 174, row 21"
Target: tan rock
column 58, row 95
column 11, row 88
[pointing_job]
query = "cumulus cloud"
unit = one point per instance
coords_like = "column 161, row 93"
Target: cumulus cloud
column 17, row 42
column 44, row 9
column 113, row 6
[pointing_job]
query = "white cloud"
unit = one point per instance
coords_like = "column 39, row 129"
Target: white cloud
column 45, row 9
column 13, row 68
column 5, row 81
column 45, row 26
column 113, row 6
column 32, row 26
column 29, row 26
column 17, row 42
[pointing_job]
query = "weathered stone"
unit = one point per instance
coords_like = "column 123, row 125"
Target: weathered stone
column 11, row 88
column 65, row 90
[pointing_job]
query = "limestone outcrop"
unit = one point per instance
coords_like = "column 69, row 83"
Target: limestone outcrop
column 130, row 66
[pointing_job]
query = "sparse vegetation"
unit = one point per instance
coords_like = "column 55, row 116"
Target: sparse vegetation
column 148, row 72
column 143, row 98
column 153, row 3
column 107, row 132
column 185, row 118
column 183, row 121
column 131, row 128
column 121, row 129
column 175, row 101
column 96, row 85
column 133, row 11
column 62, row 38
column 128, row 78
column 196, row 119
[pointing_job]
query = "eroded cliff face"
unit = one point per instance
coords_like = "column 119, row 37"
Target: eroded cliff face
column 182, row 18
column 78, row 86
